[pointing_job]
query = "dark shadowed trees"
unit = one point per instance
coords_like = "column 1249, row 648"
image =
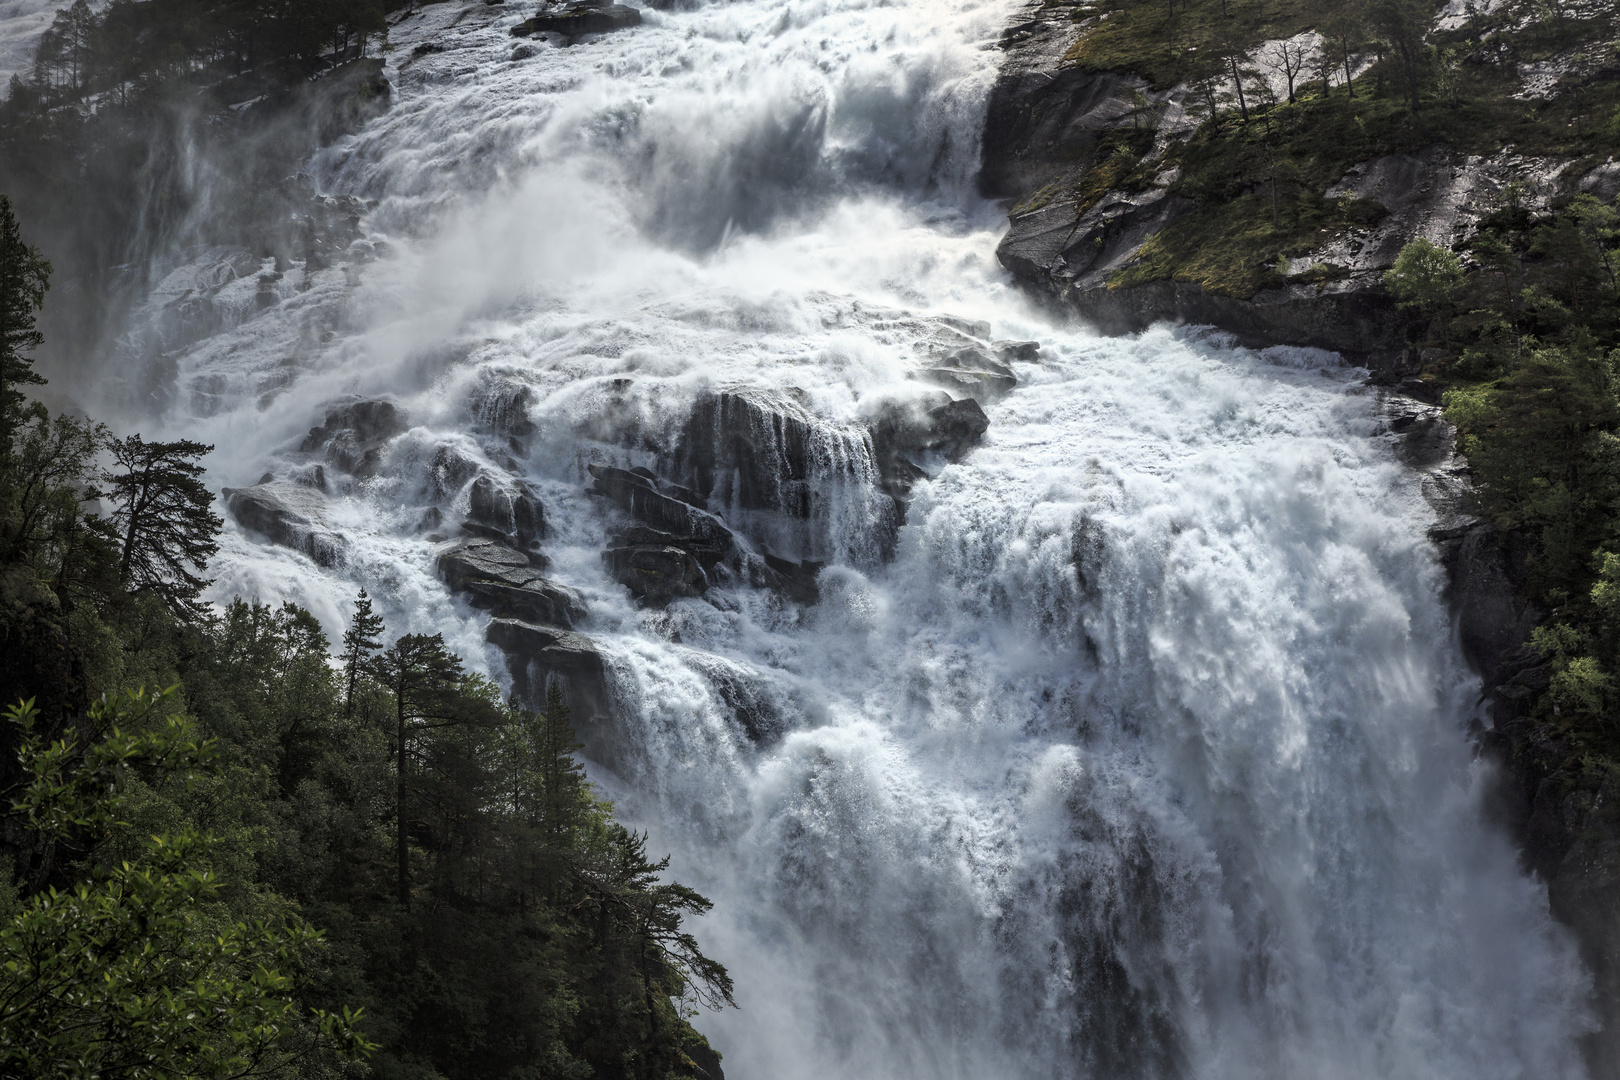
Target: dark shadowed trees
column 24, row 278
column 162, row 516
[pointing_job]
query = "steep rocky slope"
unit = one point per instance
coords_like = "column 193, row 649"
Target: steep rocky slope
column 1129, row 206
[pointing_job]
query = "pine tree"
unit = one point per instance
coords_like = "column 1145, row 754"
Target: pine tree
column 163, row 519
column 359, row 642
column 427, row 682
column 24, row 278
column 563, row 788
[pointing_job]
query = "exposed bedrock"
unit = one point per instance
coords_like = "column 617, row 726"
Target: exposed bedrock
column 292, row 515
column 537, row 653
column 1049, row 128
column 760, row 450
column 910, row 436
column 354, row 433
column 577, row 19
column 508, row 583
column 669, row 554
column 644, row 498
column 505, row 510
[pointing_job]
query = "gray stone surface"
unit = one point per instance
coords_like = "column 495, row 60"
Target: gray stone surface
column 507, row 582
column 292, row 515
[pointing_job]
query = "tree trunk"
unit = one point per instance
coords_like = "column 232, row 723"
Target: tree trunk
column 402, row 849
column 1237, row 81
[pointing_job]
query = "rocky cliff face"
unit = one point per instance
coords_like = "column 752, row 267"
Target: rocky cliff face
column 1078, row 223
column 1056, row 131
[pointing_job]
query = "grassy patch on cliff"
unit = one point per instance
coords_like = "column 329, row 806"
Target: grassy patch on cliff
column 1261, row 183
column 1164, row 41
column 1238, row 248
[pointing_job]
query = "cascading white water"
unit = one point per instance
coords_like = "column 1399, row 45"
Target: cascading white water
column 1142, row 757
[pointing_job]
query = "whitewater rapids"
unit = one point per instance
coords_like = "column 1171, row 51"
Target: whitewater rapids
column 1143, row 757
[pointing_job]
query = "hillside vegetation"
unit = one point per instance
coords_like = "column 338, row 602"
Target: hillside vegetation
column 303, row 858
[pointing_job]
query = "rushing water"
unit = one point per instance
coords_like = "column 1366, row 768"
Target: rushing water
column 1144, row 754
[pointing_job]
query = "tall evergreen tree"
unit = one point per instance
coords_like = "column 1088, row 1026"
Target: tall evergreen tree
column 427, row 683
column 162, row 513
column 24, row 278
column 359, row 642
column 564, row 791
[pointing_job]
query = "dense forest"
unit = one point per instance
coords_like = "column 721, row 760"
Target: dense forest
column 300, row 858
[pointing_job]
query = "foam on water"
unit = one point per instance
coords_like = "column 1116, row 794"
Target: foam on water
column 1143, row 757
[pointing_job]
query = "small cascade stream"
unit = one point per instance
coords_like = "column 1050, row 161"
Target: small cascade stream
column 1127, row 742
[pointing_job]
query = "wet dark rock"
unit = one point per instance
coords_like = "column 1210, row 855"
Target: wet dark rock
column 655, row 574
column 708, row 553
column 511, row 512
column 755, row 450
column 449, row 471
column 579, row 19
column 479, row 557
column 498, row 579
column 314, row 476
column 354, row 434
column 537, row 653
column 972, row 372
column 746, row 696
column 907, row 433
column 795, row 579
column 291, row 515
column 537, row 600
column 1484, row 586
column 503, row 406
column 1026, row 351
column 642, row 499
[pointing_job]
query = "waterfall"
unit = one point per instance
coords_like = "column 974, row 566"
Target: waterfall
column 1130, row 744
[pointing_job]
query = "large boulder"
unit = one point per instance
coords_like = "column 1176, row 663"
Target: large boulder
column 536, row 654
column 291, row 515
column 639, row 495
column 354, row 433
column 656, row 573
column 506, row 582
column 972, row 372
column 906, row 435
column 508, row 512
column 578, row 19
column 754, row 450
column 795, row 579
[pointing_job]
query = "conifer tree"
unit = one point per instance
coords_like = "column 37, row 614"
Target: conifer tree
column 563, row 787
column 427, row 682
column 359, row 642
column 162, row 513
column 24, row 278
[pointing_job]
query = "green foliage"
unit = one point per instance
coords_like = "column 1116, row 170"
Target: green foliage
column 162, row 518
column 216, row 881
column 1424, row 276
column 128, row 972
column 24, row 278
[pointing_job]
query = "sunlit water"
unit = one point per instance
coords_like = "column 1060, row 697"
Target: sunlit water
column 1144, row 756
